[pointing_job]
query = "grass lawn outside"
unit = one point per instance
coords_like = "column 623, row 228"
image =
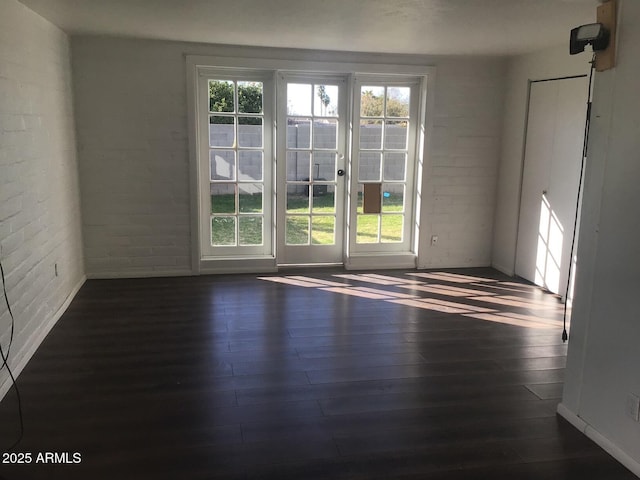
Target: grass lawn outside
column 301, row 226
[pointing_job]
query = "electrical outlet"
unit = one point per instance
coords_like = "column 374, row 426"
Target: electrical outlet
column 633, row 407
column 434, row 239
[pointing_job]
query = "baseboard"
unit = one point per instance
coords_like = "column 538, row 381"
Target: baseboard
column 139, row 274
column 446, row 265
column 501, row 268
column 237, row 270
column 606, row 444
column 34, row 341
column 378, row 261
column 255, row 264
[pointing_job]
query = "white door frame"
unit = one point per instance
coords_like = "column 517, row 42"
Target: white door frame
column 254, row 61
column 311, row 254
column 267, row 149
column 412, row 167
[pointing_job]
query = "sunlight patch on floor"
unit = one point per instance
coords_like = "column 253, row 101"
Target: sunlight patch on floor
column 451, row 277
column 510, row 320
column 358, row 293
column 318, row 281
column 435, row 283
column 377, row 279
column 447, row 290
column 291, row 281
column 516, row 302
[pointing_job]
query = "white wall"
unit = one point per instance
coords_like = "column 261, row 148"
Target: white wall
column 132, row 143
column 462, row 167
column 39, row 194
column 550, row 63
column 603, row 365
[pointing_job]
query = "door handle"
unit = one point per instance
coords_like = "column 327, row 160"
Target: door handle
column 340, row 172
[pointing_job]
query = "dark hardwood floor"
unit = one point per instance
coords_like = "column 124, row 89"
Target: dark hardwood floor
column 319, row 374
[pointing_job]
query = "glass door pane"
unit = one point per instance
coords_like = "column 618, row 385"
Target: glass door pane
column 236, row 152
column 384, row 153
column 311, row 192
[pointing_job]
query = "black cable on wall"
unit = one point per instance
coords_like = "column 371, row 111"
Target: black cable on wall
column 5, row 357
column 587, row 125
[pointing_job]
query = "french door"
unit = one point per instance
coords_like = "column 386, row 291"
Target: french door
column 311, row 179
column 385, row 120
column 305, row 168
column 235, row 163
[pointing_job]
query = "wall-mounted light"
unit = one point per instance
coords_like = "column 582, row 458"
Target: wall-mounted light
column 594, row 34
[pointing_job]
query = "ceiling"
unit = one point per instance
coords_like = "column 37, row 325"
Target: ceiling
column 471, row 27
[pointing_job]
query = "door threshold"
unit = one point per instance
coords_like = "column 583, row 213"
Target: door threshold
column 301, row 267
column 310, row 265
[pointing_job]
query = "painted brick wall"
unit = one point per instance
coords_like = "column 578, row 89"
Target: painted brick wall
column 459, row 194
column 131, row 109
column 131, row 124
column 39, row 194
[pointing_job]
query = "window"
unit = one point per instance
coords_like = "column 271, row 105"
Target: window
column 236, row 171
column 384, row 160
column 330, row 178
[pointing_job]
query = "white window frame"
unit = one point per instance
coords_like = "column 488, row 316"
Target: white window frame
column 208, row 250
column 414, row 145
column 342, row 82
column 197, row 64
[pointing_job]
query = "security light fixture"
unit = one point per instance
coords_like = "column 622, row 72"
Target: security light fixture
column 593, row 34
